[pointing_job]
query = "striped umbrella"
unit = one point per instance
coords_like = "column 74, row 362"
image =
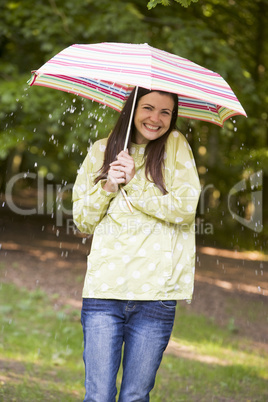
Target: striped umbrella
column 107, row 73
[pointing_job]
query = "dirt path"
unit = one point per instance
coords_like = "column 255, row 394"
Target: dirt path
column 35, row 254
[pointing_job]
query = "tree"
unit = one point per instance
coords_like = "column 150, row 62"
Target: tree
column 50, row 128
column 154, row 3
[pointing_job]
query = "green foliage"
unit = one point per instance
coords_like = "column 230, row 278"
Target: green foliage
column 41, row 126
column 184, row 3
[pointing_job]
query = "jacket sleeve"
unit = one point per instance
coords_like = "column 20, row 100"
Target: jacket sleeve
column 90, row 201
column 179, row 205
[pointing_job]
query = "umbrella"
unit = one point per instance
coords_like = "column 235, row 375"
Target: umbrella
column 107, row 73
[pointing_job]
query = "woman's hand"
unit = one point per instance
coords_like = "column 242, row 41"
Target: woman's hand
column 121, row 171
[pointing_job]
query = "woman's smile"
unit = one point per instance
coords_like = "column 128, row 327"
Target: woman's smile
column 152, row 117
column 152, row 128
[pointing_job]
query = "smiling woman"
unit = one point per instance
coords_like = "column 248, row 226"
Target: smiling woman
column 132, row 284
column 155, row 147
column 153, row 117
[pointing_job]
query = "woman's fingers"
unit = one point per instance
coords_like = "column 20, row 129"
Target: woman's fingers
column 124, row 163
column 114, row 179
column 121, row 171
column 117, row 173
column 127, row 171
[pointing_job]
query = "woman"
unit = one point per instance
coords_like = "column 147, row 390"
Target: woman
column 141, row 262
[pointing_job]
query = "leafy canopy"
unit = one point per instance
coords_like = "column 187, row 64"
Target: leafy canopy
column 154, row 3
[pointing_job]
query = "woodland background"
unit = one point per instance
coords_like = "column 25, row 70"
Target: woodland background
column 47, row 132
column 218, row 350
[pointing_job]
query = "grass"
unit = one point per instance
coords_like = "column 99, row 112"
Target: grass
column 40, row 347
column 41, row 356
column 221, row 367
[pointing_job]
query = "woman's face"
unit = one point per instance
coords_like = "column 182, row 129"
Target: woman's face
column 152, row 117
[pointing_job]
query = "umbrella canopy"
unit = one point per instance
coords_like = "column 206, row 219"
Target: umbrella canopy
column 108, row 72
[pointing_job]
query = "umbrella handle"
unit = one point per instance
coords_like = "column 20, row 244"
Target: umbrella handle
column 125, row 146
column 126, row 199
column 131, row 118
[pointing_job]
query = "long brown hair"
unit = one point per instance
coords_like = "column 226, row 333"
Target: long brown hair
column 155, row 149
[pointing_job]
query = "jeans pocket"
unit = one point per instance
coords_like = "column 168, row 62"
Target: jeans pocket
column 168, row 304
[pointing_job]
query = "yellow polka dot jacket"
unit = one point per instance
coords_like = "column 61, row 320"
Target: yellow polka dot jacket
column 148, row 254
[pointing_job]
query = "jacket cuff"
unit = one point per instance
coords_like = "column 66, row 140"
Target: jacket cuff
column 103, row 192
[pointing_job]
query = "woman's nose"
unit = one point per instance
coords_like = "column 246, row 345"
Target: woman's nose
column 154, row 116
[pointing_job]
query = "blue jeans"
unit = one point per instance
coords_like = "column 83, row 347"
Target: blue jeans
column 143, row 326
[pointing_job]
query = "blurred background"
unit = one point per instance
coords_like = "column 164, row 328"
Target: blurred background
column 47, row 132
column 218, row 350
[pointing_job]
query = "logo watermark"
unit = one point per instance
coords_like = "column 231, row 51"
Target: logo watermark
column 252, row 208
column 50, row 201
column 50, row 197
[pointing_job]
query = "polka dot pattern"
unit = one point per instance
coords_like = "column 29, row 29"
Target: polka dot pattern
column 142, row 252
column 102, row 147
column 111, row 266
column 152, row 266
column 146, row 288
column 188, row 164
column 117, row 246
column 120, row 280
column 136, row 274
column 150, row 254
column 126, row 259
